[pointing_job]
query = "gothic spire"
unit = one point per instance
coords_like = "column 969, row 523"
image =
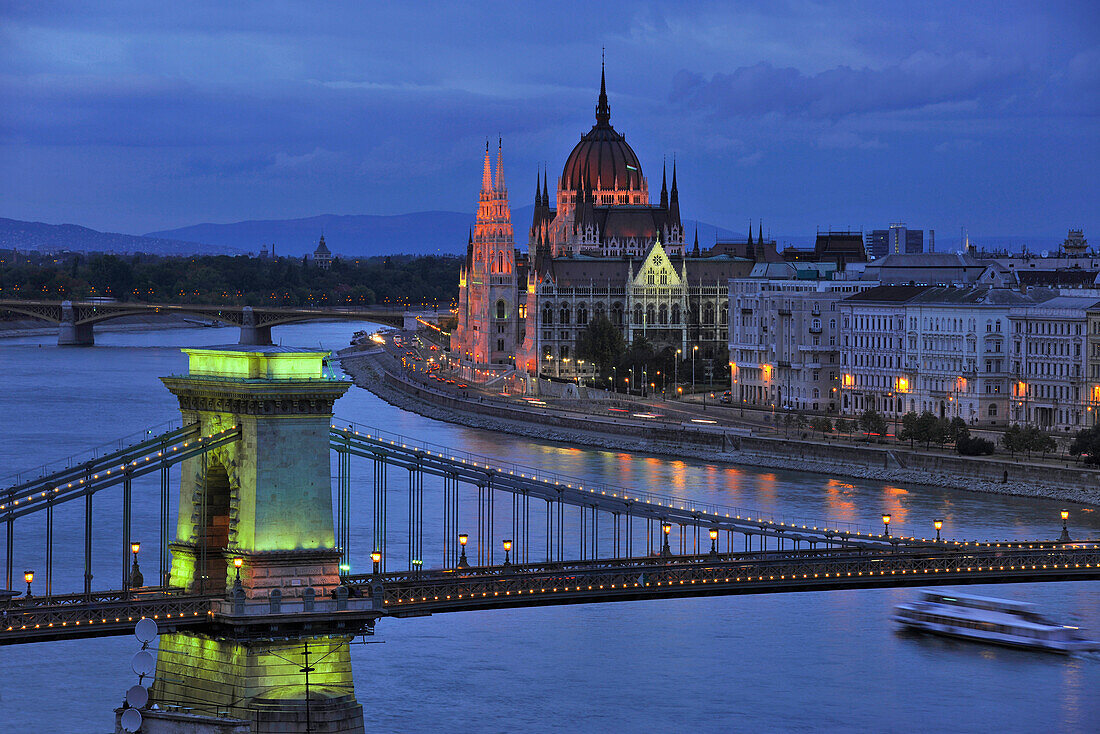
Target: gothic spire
column 538, row 190
column 695, row 250
column 501, row 189
column 750, row 233
column 545, row 195
column 603, row 110
column 674, row 196
column 760, row 239
column 486, row 175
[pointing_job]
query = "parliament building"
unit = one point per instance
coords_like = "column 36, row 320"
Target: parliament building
column 599, row 247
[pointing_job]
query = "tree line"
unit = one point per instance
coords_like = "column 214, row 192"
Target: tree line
column 286, row 281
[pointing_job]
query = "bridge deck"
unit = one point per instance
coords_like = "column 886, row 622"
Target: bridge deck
column 437, row 591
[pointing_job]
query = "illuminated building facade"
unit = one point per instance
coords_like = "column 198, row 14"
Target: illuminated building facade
column 602, row 248
column 784, row 336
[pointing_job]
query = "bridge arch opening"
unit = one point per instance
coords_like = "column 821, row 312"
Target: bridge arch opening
column 213, row 528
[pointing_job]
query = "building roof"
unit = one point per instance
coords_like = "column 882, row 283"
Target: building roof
column 322, row 248
column 937, row 295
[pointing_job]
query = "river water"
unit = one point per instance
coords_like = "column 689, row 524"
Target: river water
column 786, row 662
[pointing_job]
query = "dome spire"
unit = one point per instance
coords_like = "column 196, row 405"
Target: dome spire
column 603, row 110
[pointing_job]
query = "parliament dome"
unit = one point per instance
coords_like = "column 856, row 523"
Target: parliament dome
column 602, row 160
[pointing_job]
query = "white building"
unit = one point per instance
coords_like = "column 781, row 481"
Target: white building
column 1049, row 363
column 933, row 348
column 783, row 336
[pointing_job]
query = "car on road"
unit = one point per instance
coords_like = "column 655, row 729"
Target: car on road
column 727, row 397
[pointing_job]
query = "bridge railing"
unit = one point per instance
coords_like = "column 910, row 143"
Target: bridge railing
column 70, row 462
column 609, row 490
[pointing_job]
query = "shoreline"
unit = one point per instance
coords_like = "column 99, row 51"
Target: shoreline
column 32, row 327
column 367, row 372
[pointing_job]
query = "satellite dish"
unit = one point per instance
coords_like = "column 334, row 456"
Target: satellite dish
column 143, row 663
column 137, row 696
column 145, row 630
column 131, row 720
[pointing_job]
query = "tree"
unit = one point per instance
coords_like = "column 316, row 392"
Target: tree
column 602, row 343
column 845, row 426
column 909, row 430
column 1012, row 439
column 821, row 425
column 957, row 429
column 927, row 429
column 1086, row 443
column 1035, row 439
column 872, row 422
column 788, row 421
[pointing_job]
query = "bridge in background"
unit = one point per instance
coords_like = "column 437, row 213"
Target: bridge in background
column 260, row 566
column 76, row 320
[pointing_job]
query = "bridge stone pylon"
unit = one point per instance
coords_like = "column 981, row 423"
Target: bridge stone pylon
column 267, row 501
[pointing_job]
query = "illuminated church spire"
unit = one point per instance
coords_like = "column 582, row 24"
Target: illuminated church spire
column 603, row 110
column 486, row 177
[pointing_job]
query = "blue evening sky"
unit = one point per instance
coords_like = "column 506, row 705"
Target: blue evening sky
column 135, row 116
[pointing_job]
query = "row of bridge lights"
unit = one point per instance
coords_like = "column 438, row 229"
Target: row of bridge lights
column 885, row 517
column 666, row 550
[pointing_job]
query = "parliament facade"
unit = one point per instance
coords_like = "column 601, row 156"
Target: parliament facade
column 599, row 248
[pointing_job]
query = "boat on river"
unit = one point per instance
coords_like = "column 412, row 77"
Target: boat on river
column 990, row 620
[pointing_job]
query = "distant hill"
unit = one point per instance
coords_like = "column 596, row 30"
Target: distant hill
column 42, row 237
column 419, row 233
column 369, row 234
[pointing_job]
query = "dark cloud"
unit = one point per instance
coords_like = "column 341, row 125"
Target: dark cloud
column 919, row 81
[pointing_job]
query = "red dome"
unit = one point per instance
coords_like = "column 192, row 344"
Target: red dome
column 602, row 159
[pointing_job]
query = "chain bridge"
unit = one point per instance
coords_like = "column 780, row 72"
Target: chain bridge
column 266, row 557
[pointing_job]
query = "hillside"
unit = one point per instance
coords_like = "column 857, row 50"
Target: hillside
column 42, row 237
column 435, row 232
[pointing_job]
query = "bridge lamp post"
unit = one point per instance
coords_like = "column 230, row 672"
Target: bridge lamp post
column 463, row 538
column 507, row 550
column 136, row 579
column 28, row 576
column 886, row 524
column 714, row 542
column 939, row 527
column 376, row 558
column 666, row 528
column 1064, row 537
column 417, row 564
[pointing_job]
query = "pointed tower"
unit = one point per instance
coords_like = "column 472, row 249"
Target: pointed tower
column 674, row 199
column 750, row 236
column 488, row 334
column 695, row 249
column 664, row 188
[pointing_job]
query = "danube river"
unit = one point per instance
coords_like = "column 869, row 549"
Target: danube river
column 788, row 662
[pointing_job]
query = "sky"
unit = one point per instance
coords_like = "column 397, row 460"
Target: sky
column 136, row 116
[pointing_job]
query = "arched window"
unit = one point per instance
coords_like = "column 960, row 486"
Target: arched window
column 500, row 262
column 650, row 314
column 693, row 314
column 617, row 313
column 563, row 314
column 662, row 314
column 637, row 313
column 582, row 314
column 599, row 310
column 725, row 315
column 564, row 351
column 500, row 309
column 676, row 313
column 547, row 314
column 708, row 313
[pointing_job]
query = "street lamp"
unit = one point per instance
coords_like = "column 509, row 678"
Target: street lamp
column 376, row 558
column 939, row 526
column 28, row 576
column 507, row 550
column 1064, row 536
column 714, row 542
column 676, row 370
column 136, row 579
column 463, row 538
column 417, row 564
column 693, row 351
column 886, row 524
column 666, row 528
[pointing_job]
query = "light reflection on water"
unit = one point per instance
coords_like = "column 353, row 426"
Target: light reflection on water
column 793, row 662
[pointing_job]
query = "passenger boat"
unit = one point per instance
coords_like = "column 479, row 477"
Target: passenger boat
column 986, row 619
